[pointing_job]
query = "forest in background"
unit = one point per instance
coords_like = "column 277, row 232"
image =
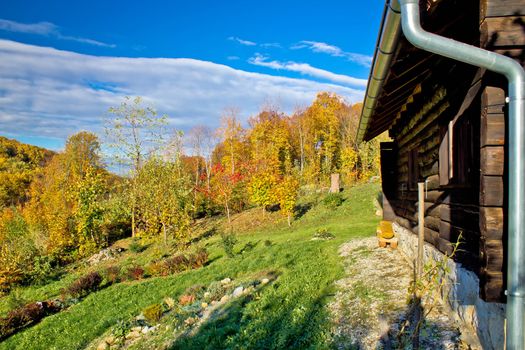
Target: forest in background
column 56, row 208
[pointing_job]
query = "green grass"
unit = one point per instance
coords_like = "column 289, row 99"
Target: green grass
column 288, row 313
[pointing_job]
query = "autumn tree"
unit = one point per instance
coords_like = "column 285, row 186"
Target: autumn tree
column 286, row 194
column 134, row 132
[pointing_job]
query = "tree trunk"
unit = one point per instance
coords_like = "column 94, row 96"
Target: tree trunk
column 228, row 212
column 289, row 220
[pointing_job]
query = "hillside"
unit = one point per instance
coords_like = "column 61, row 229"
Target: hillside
column 18, row 165
column 287, row 279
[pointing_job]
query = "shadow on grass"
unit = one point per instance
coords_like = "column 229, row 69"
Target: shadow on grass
column 302, row 209
column 255, row 322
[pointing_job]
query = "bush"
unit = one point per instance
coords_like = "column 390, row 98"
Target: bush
column 228, row 243
column 135, row 273
column 85, row 285
column 42, row 270
column 333, row 200
column 215, row 291
column 136, row 247
column 112, row 274
column 153, row 313
column 157, row 268
column 176, row 264
column 25, row 316
column 198, row 259
column 323, row 233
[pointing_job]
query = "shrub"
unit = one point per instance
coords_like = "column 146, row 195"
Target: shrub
column 176, row 264
column 228, row 243
column 268, row 243
column 215, row 291
column 24, row 316
column 42, row 270
column 333, row 200
column 198, row 259
column 112, row 274
column 153, row 313
column 186, row 299
column 85, row 285
column 157, row 268
column 322, row 233
column 135, row 273
column 136, row 247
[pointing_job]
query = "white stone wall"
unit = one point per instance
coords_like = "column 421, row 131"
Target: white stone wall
column 482, row 322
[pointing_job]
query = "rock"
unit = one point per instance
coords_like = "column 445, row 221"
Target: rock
column 136, row 329
column 206, row 295
column 147, row 329
column 237, row 292
column 133, row 335
column 225, row 298
column 214, row 302
column 226, row 280
column 265, row 281
column 110, row 340
column 204, row 305
column 103, row 255
column 140, row 317
column 190, row 320
column 103, row 346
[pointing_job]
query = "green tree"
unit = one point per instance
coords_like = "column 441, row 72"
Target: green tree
column 135, row 132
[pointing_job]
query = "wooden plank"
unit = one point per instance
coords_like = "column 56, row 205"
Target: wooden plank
column 491, row 255
column 491, row 192
column 432, row 223
column 499, row 8
column 500, row 32
column 492, row 130
column 492, row 286
column 493, row 99
column 431, row 236
column 491, row 222
column 465, row 217
column 492, row 160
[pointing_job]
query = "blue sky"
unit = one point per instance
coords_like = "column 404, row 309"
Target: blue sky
column 64, row 63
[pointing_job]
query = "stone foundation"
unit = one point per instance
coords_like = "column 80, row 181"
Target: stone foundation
column 482, row 322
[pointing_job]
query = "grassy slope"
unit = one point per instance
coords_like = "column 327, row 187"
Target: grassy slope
column 286, row 314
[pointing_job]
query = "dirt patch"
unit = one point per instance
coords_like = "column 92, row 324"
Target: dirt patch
column 371, row 305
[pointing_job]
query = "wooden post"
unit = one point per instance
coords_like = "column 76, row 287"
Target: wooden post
column 335, row 183
column 421, row 227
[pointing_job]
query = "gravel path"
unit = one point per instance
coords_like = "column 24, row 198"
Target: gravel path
column 370, row 307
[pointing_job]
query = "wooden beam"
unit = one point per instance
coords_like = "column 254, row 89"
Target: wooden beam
column 491, row 192
column 502, row 32
column 500, row 8
column 492, row 160
column 491, row 223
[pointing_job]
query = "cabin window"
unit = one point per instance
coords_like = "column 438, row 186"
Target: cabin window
column 413, row 169
column 456, row 153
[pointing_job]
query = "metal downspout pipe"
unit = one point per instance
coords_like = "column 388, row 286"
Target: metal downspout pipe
column 515, row 75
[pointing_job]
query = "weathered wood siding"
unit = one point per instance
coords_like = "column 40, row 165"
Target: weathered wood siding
column 475, row 209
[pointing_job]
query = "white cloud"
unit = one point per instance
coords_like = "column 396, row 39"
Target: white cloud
column 51, row 93
column 335, row 51
column 270, row 45
column 242, row 42
column 46, row 29
column 40, row 28
column 306, row 69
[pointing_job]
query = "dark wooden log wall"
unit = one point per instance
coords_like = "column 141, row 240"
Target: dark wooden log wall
column 502, row 29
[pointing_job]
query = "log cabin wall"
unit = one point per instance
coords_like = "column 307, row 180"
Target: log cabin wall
column 470, row 200
column 502, row 28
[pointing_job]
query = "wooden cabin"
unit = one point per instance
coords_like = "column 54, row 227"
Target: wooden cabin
column 447, row 121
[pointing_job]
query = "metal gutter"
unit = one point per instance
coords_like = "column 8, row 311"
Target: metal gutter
column 386, row 44
column 513, row 71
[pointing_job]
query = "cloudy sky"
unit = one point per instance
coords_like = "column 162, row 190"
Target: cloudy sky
column 64, row 63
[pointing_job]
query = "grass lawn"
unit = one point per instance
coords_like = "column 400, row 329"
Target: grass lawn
column 288, row 313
